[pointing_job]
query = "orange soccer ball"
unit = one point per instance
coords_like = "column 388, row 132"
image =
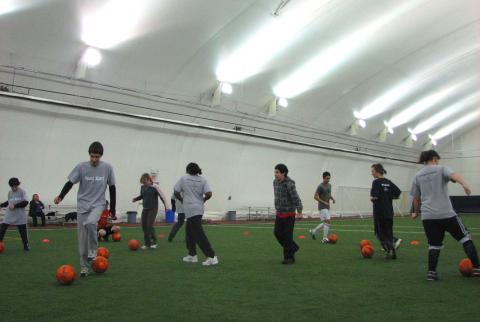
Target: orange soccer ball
column 465, row 267
column 102, row 251
column 2, row 247
column 100, row 264
column 367, row 251
column 116, row 236
column 364, row 242
column 332, row 238
column 65, row 274
column 133, row 244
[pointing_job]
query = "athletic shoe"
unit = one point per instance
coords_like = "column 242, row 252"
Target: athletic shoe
column 398, row 242
column 476, row 272
column 288, row 261
column 153, row 246
column 391, row 254
column 210, row 261
column 312, row 234
column 144, row 247
column 432, row 276
column 84, row 272
column 190, row 259
column 325, row 241
column 26, row 247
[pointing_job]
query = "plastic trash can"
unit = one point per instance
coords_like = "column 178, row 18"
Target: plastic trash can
column 231, row 215
column 170, row 216
column 131, row 217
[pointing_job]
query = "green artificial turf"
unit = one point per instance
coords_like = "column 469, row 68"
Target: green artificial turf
column 327, row 283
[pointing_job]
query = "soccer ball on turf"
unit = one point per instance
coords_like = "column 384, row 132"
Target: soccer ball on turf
column 100, row 264
column 65, row 274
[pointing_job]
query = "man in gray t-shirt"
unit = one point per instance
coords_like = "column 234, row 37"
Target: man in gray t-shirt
column 430, row 188
column 323, row 195
column 93, row 176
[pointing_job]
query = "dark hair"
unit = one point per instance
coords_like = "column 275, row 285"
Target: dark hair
column 95, row 148
column 193, row 169
column 282, row 168
column 428, row 155
column 13, row 182
column 326, row 174
column 379, row 168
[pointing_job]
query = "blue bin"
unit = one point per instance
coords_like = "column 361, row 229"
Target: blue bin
column 170, row 216
column 131, row 217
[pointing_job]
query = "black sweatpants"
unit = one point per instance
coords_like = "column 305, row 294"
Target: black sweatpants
column 384, row 230
column 283, row 231
column 34, row 219
column 177, row 226
column 195, row 235
column 22, row 229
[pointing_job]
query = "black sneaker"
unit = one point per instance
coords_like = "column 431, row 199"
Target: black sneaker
column 26, row 247
column 288, row 261
column 432, row 276
column 391, row 254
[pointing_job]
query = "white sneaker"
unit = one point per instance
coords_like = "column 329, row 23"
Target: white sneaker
column 190, row 259
column 84, row 271
column 325, row 241
column 398, row 242
column 153, row 246
column 143, row 247
column 210, row 261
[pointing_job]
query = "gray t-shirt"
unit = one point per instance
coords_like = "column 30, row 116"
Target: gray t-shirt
column 17, row 216
column 93, row 183
column 193, row 188
column 324, row 191
column 430, row 184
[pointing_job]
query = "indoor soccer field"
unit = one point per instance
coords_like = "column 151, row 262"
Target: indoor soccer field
column 328, row 282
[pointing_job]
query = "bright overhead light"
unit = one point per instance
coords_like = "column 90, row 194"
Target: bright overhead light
column 327, row 60
column 386, row 100
column 268, row 41
column 227, row 88
column 390, row 130
column 432, row 140
column 446, row 113
column 362, row 123
column 7, row 6
column 113, row 23
column 424, row 104
column 283, row 102
column 92, row 57
column 461, row 122
column 414, row 137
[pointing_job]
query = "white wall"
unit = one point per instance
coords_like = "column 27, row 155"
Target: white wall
column 41, row 143
column 462, row 153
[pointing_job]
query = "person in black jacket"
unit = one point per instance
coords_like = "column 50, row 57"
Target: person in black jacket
column 36, row 210
column 382, row 193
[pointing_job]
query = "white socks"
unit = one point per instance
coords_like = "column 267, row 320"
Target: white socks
column 326, row 227
column 317, row 228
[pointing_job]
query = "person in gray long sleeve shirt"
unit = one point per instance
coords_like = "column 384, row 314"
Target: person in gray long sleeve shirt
column 287, row 202
column 16, row 203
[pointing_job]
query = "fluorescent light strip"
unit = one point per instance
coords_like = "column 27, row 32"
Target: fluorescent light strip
column 424, row 104
column 449, row 129
column 268, row 41
column 113, row 23
column 327, row 60
column 446, row 113
column 384, row 102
